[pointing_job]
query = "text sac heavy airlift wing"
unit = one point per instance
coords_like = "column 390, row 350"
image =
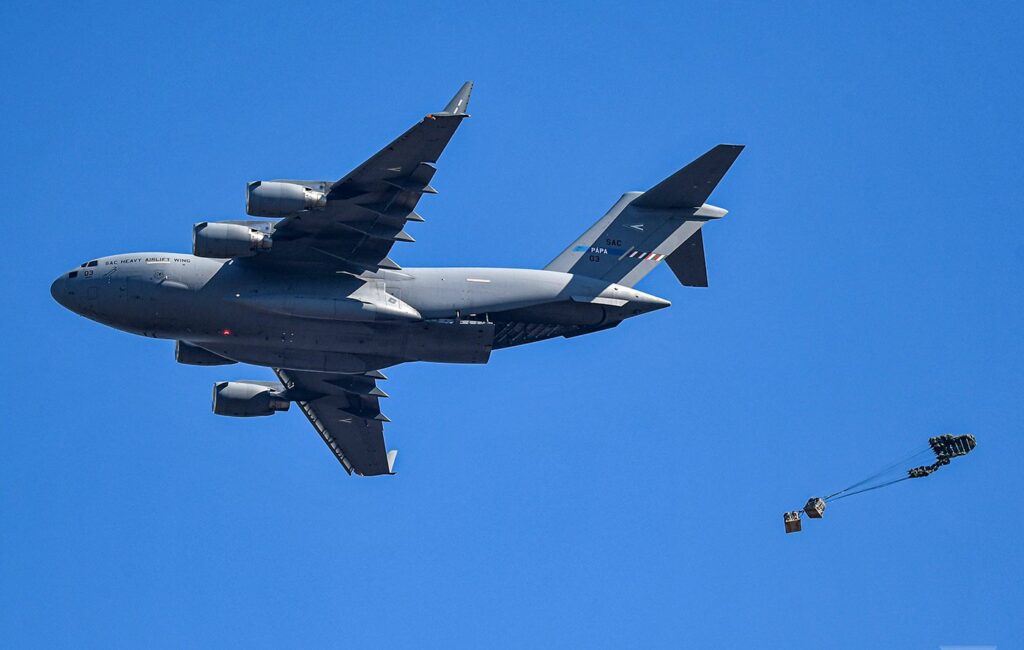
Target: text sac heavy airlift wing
column 351, row 225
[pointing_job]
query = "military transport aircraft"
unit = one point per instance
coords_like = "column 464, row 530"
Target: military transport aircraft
column 315, row 295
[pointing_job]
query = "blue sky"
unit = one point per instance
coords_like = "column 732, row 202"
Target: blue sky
column 621, row 489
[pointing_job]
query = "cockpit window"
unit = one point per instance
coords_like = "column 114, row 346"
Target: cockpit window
column 92, row 263
column 73, row 274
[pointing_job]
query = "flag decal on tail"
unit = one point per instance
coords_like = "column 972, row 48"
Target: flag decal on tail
column 651, row 257
column 601, row 250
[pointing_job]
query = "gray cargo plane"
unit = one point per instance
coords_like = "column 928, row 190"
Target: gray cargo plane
column 314, row 294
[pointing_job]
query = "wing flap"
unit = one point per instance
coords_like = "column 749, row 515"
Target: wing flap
column 367, row 210
column 344, row 410
column 402, row 161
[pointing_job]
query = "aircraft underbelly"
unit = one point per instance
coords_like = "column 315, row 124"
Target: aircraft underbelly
column 354, row 347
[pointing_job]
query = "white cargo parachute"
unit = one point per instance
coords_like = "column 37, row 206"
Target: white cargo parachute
column 944, row 447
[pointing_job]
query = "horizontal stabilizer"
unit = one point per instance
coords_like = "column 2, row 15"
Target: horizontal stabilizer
column 688, row 262
column 691, row 186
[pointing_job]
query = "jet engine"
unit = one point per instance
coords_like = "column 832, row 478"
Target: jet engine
column 277, row 199
column 248, row 398
column 222, row 239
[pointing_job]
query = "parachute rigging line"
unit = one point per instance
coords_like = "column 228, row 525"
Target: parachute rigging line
column 884, row 470
column 868, row 489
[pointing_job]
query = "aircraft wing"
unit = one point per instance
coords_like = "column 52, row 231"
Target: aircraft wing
column 345, row 411
column 367, row 210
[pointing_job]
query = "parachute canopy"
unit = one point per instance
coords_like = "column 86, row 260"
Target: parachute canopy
column 944, row 447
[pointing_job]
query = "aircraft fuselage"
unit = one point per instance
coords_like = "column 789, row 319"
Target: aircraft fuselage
column 336, row 322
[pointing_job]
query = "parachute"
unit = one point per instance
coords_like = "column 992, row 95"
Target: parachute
column 944, row 447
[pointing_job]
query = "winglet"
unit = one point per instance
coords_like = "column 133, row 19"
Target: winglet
column 458, row 104
column 391, row 460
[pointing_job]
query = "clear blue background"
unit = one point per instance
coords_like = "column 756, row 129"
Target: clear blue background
column 617, row 490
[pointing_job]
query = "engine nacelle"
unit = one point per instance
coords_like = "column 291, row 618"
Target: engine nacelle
column 194, row 355
column 276, row 199
column 219, row 239
column 248, row 399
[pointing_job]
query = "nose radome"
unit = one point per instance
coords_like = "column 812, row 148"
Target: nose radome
column 59, row 291
column 57, row 288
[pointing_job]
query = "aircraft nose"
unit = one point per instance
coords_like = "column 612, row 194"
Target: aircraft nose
column 57, row 289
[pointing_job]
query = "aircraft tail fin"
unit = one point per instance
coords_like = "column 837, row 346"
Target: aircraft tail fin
column 644, row 228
